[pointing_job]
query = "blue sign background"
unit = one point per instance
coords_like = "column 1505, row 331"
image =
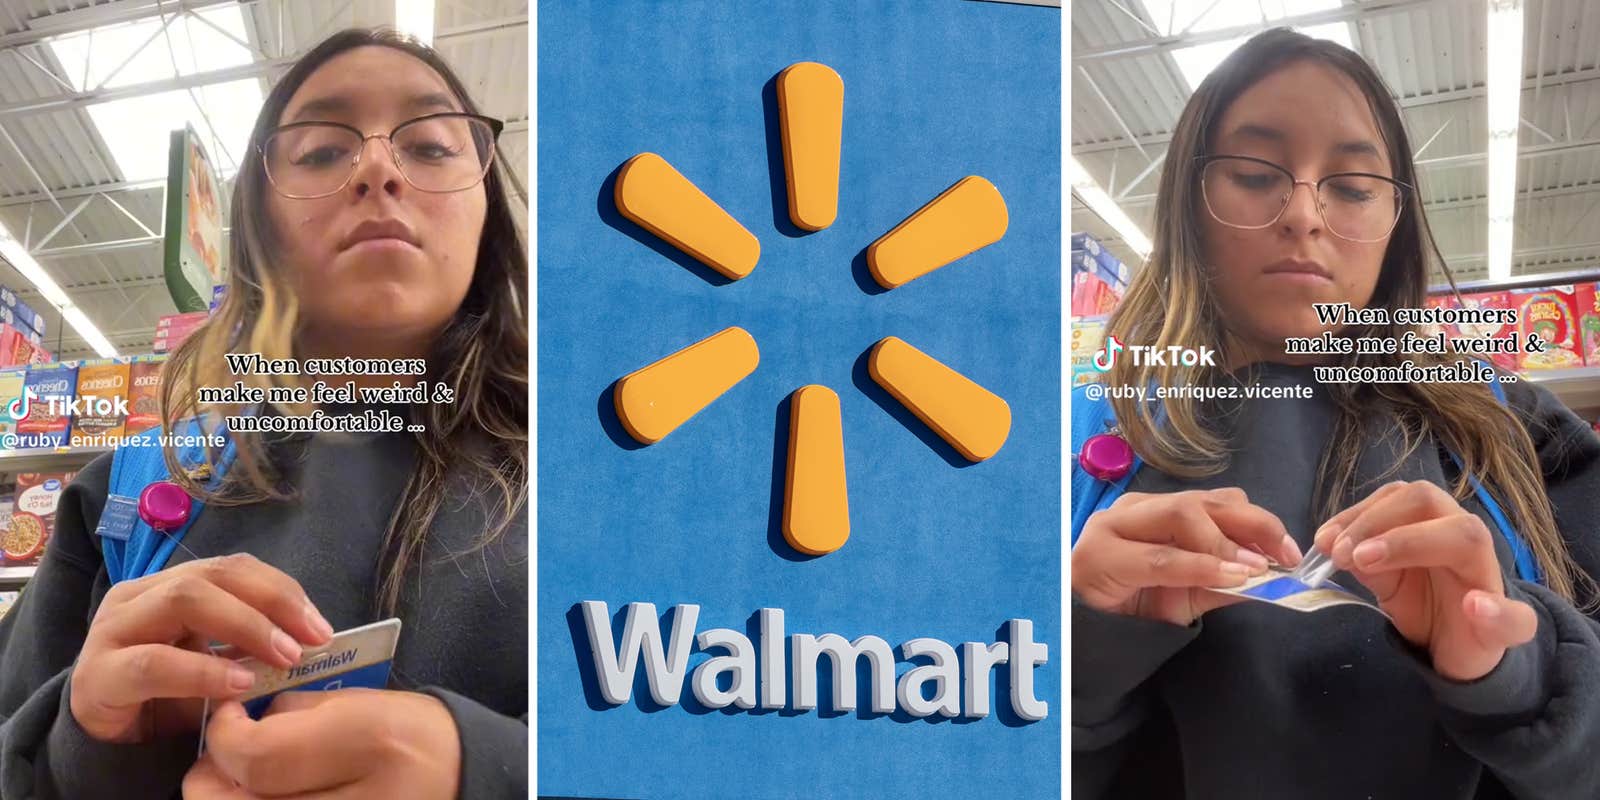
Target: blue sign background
column 934, row 91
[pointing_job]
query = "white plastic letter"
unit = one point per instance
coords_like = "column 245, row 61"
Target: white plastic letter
column 944, row 672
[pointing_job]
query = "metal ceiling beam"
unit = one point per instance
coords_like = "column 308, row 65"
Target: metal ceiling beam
column 116, row 12
column 1414, row 101
column 75, row 100
column 1164, row 44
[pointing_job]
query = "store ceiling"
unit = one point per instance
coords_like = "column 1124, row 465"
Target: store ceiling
column 1432, row 55
column 106, row 260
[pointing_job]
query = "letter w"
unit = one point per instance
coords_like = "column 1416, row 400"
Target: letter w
column 664, row 667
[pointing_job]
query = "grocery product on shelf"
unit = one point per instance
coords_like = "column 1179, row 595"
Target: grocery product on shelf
column 144, row 394
column 1587, row 296
column 102, row 400
column 1087, row 338
column 11, row 383
column 15, row 349
column 173, row 329
column 33, row 517
column 1551, row 312
column 47, row 424
column 1092, row 297
column 1490, row 300
column 22, row 313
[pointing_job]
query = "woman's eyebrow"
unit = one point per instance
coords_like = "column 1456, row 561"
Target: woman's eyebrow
column 432, row 101
column 337, row 104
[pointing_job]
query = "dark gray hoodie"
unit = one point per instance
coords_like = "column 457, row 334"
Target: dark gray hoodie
column 464, row 637
column 1259, row 702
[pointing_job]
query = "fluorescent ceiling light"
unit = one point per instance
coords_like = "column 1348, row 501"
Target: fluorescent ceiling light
column 1088, row 190
column 1196, row 62
column 136, row 130
column 1504, row 101
column 415, row 18
column 24, row 262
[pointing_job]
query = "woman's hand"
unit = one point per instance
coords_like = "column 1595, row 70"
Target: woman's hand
column 1154, row 555
column 351, row 744
column 1432, row 566
column 145, row 663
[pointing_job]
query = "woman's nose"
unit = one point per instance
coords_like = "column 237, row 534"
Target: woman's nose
column 376, row 168
column 1302, row 213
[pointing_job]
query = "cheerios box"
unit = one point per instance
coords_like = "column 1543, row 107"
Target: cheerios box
column 1551, row 313
column 102, row 401
column 33, row 517
column 48, row 424
column 144, row 394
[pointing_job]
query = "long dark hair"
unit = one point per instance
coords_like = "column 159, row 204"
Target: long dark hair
column 1171, row 302
column 481, row 438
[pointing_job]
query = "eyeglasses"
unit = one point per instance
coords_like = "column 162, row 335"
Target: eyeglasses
column 1250, row 193
column 440, row 153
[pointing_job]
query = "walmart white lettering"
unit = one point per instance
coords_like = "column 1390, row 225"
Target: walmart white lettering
column 959, row 686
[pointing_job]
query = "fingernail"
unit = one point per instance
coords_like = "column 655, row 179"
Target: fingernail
column 1235, row 569
column 318, row 622
column 1325, row 535
column 1488, row 608
column 1370, row 553
column 1341, row 551
column 1252, row 559
column 240, row 679
column 1291, row 550
column 285, row 646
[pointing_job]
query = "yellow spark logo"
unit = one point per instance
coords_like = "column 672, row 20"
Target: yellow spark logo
column 654, row 400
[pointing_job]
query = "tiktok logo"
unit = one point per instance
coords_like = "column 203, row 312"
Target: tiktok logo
column 1107, row 357
column 18, row 410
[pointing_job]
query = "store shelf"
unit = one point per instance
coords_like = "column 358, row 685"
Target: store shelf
column 47, row 459
column 1578, row 388
column 13, row 577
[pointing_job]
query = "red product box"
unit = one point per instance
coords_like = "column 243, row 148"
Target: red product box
column 1496, row 300
column 1552, row 313
column 1091, row 296
column 1588, row 301
column 15, row 349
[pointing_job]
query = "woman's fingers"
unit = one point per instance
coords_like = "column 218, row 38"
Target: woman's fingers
column 1205, row 523
column 258, row 584
column 1460, row 543
column 1165, row 565
column 187, row 605
column 1403, row 504
column 132, row 675
column 1328, row 533
column 1498, row 621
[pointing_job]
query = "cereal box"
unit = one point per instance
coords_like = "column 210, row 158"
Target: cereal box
column 1588, row 297
column 33, row 517
column 11, row 383
column 47, row 424
column 144, row 394
column 1551, row 313
column 15, row 349
column 1497, row 300
column 102, row 401
column 1087, row 339
column 1440, row 301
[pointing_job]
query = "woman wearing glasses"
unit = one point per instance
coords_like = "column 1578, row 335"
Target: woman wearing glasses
column 371, row 222
column 1289, row 181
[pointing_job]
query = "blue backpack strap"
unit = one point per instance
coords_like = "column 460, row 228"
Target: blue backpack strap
column 1527, row 565
column 1089, row 494
column 132, row 549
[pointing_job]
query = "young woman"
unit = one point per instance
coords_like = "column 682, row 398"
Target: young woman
column 369, row 221
column 1289, row 181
